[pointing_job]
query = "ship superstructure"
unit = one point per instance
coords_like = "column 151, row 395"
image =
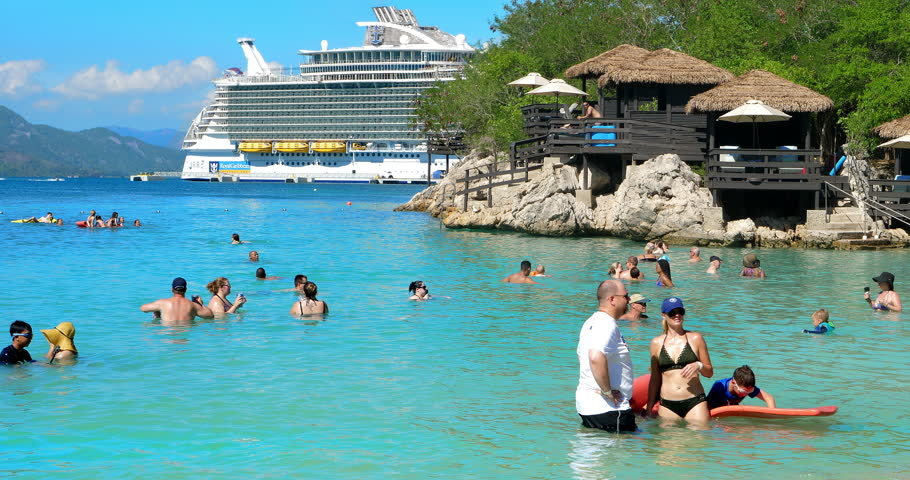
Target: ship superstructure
column 344, row 115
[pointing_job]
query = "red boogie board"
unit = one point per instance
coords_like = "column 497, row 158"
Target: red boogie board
column 81, row 224
column 640, row 400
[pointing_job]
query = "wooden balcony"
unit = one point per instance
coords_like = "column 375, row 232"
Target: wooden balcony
column 638, row 139
column 893, row 194
column 729, row 169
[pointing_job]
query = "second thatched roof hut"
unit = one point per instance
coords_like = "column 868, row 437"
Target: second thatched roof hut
column 615, row 57
column 771, row 89
column 894, row 128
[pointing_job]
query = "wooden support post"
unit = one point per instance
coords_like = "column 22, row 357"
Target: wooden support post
column 600, row 100
column 467, row 173
column 447, row 164
column 804, row 126
column 584, row 170
column 429, row 166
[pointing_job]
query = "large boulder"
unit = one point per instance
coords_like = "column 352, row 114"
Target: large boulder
column 659, row 198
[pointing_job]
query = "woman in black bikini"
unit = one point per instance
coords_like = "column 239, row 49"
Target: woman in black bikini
column 308, row 304
column 676, row 382
column 221, row 288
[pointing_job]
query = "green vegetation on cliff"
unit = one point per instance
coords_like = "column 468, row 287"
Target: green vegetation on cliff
column 853, row 51
column 28, row 150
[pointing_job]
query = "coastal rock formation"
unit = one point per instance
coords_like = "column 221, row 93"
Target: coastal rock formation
column 438, row 198
column 660, row 197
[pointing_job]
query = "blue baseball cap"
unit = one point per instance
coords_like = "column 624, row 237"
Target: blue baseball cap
column 671, row 303
column 178, row 284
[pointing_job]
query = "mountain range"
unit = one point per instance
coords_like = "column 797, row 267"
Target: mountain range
column 163, row 137
column 28, row 150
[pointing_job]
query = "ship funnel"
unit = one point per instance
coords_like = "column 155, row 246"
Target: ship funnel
column 255, row 64
column 325, row 45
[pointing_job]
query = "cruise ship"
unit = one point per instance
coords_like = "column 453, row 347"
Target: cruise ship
column 345, row 114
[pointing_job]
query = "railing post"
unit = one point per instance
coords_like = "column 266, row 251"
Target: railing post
column 467, row 174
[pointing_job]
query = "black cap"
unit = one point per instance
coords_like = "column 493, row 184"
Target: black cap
column 884, row 277
column 178, row 284
column 715, row 257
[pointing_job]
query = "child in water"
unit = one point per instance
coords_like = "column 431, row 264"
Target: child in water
column 821, row 323
column 732, row 391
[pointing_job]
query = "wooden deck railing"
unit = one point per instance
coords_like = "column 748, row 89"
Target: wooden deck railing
column 518, row 172
column 613, row 136
column 895, row 194
column 764, row 169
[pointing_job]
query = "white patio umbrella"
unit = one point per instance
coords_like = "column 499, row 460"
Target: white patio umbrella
column 899, row 142
column 556, row 87
column 754, row 111
column 532, row 79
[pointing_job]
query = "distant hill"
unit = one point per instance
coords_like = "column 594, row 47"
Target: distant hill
column 163, row 137
column 28, row 150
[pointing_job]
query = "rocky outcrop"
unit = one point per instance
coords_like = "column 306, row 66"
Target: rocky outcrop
column 660, row 197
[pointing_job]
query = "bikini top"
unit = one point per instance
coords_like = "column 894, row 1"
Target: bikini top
column 686, row 356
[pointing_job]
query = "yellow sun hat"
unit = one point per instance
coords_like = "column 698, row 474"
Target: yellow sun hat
column 62, row 336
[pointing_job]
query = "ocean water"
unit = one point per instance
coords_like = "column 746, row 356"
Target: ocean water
column 477, row 383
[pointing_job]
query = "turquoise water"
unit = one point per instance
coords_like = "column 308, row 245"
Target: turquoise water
column 478, row 385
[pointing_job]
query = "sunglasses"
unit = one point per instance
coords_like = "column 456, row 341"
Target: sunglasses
column 626, row 296
column 676, row 311
column 26, row 335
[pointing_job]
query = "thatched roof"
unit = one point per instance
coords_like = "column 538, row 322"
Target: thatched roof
column 771, row 89
column 894, row 128
column 665, row 67
column 597, row 66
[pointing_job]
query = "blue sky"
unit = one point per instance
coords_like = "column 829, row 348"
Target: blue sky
column 148, row 64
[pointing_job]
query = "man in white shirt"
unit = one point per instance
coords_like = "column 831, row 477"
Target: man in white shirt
column 605, row 365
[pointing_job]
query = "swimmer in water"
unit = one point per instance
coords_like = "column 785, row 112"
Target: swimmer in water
column 522, row 276
column 540, row 271
column 254, row 256
column 260, row 275
column 635, row 274
column 631, row 262
column 714, row 264
column 694, row 255
column 616, row 270
column 419, row 291
column 177, row 309
column 664, row 279
column 732, row 391
column 752, row 267
column 821, row 323
column 219, row 304
column 308, row 304
column 887, row 299
column 137, row 223
column 235, row 239
column 61, row 348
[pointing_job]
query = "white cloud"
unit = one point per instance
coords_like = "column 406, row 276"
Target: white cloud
column 47, row 104
column 93, row 82
column 16, row 77
column 135, row 106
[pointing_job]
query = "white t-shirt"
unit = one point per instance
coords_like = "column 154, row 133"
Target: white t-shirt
column 601, row 333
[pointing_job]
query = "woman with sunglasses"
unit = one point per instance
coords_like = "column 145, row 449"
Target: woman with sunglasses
column 677, row 358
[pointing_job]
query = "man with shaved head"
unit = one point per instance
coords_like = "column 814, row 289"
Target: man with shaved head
column 605, row 365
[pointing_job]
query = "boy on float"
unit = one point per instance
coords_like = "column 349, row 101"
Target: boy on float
column 731, row 391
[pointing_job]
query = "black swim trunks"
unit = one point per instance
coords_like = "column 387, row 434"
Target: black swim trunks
column 609, row 421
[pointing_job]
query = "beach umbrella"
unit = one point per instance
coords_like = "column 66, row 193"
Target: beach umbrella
column 556, row 87
column 754, row 111
column 899, row 142
column 532, row 79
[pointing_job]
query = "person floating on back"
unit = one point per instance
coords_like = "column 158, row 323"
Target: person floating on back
column 522, row 276
column 731, row 391
column 16, row 353
column 178, row 309
column 821, row 323
column 61, row 348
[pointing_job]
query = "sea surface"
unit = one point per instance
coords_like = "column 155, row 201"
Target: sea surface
column 477, row 383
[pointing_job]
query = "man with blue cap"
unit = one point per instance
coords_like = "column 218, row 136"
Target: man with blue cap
column 605, row 365
column 177, row 309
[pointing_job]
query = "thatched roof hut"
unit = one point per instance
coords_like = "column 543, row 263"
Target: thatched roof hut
column 615, row 57
column 894, row 128
column 771, row 89
column 666, row 67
